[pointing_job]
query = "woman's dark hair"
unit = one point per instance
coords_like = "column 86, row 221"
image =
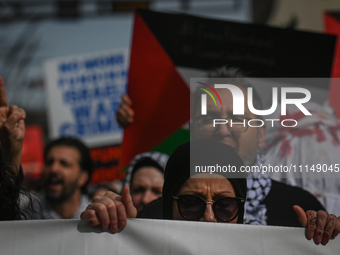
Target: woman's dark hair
column 11, row 192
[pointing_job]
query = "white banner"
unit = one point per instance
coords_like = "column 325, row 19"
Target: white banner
column 84, row 93
column 72, row 237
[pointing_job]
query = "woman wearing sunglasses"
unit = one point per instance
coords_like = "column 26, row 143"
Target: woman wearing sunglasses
column 204, row 197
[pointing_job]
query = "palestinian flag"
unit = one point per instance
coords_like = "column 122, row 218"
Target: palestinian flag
column 167, row 47
column 332, row 26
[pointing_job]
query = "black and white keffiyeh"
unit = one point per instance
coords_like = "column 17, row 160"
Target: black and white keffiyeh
column 158, row 158
column 258, row 188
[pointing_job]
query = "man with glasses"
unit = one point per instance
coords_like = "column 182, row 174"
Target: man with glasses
column 268, row 202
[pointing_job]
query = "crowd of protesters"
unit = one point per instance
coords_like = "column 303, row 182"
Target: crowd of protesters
column 158, row 187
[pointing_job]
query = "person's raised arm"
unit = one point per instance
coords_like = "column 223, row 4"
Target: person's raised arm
column 12, row 128
column 319, row 225
column 125, row 112
column 110, row 211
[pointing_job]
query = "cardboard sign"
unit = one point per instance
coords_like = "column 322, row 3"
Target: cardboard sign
column 106, row 160
column 84, row 93
column 32, row 159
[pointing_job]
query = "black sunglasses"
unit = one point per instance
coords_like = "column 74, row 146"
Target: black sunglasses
column 192, row 207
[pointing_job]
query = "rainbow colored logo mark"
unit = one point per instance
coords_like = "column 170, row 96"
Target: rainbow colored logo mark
column 208, row 92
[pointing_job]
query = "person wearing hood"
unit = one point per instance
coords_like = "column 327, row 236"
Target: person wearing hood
column 145, row 177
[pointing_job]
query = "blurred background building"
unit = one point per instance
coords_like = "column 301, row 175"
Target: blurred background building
column 34, row 31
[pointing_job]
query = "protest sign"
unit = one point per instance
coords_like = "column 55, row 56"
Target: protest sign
column 84, row 92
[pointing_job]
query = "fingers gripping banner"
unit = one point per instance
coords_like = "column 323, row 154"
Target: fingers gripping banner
column 155, row 237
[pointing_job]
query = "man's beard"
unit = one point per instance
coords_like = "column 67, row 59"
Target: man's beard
column 64, row 195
